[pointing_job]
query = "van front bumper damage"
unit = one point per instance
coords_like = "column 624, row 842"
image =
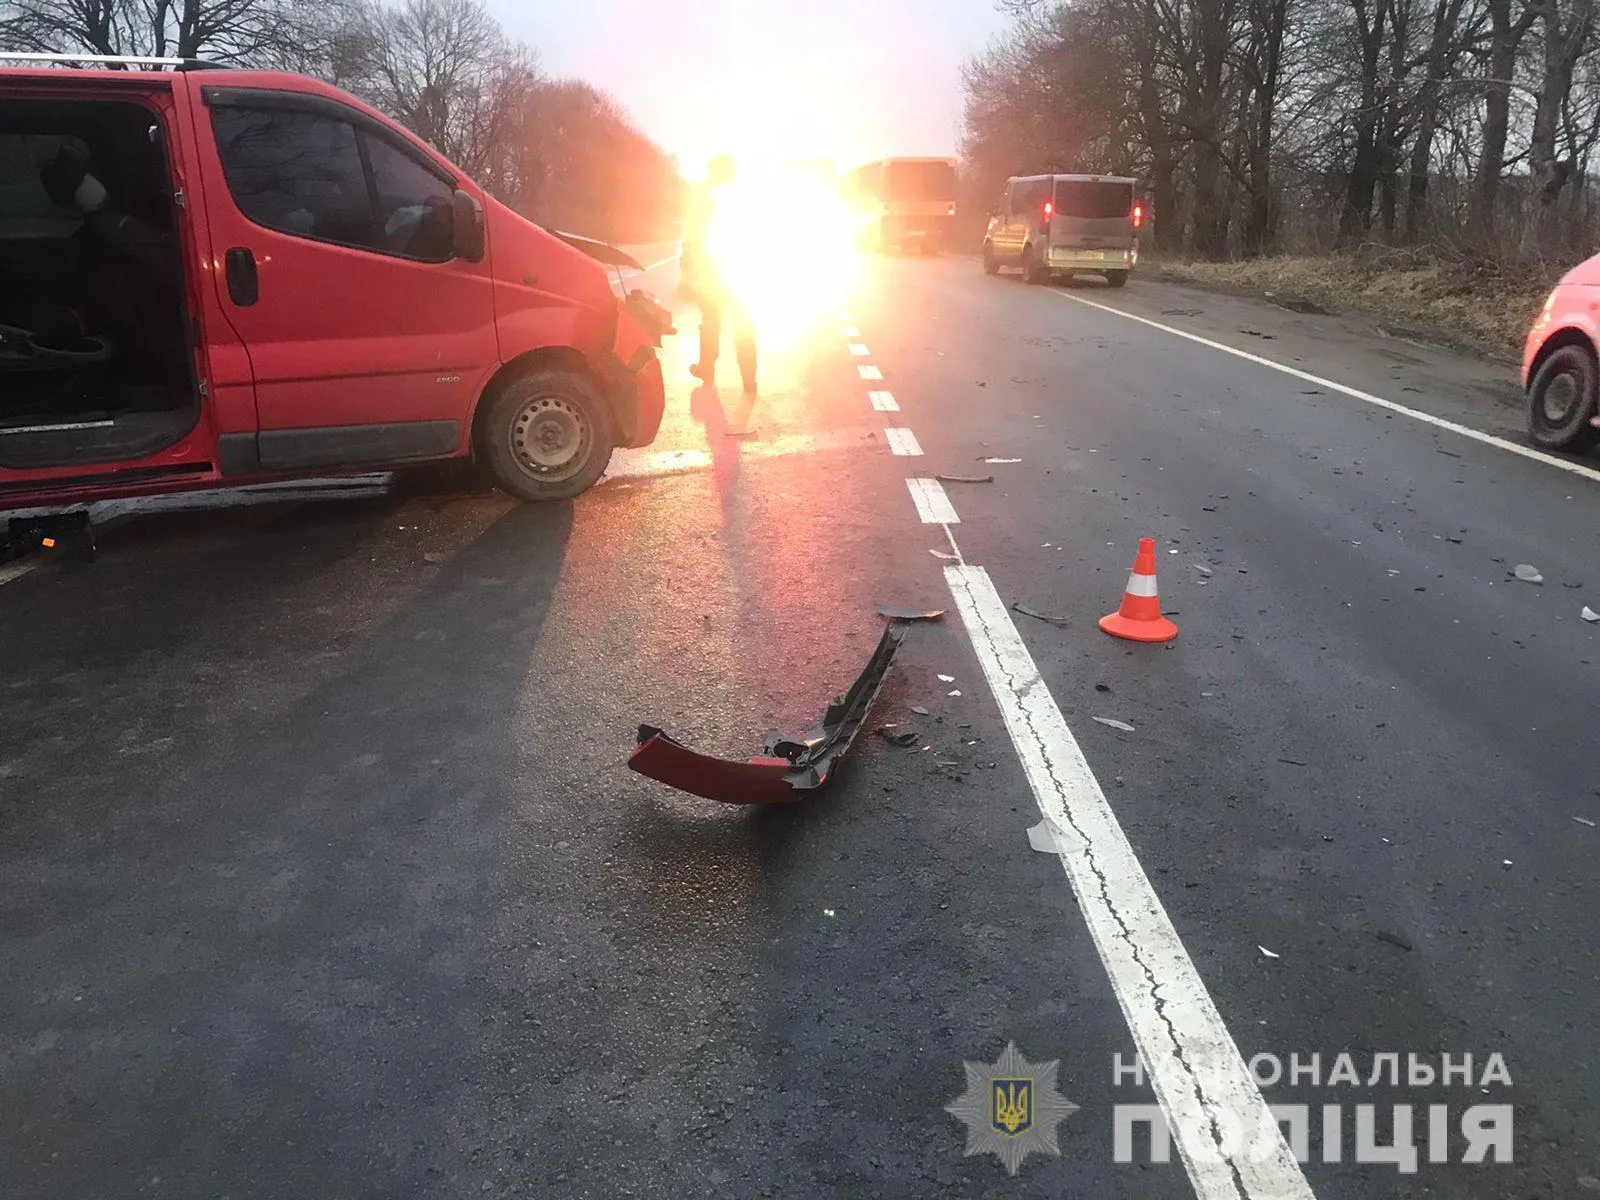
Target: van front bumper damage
column 637, row 394
column 784, row 770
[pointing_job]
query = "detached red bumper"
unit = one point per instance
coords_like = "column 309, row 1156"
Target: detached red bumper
column 785, row 770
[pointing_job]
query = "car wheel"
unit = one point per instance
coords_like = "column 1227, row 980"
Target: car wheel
column 1032, row 270
column 1563, row 399
column 991, row 264
column 1117, row 278
column 544, row 435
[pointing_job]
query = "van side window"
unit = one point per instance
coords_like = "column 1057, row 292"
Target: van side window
column 318, row 177
column 413, row 203
column 297, row 173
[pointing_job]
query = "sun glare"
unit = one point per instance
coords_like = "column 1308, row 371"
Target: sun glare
column 783, row 242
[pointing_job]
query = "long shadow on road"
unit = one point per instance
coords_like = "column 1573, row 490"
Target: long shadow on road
column 264, row 983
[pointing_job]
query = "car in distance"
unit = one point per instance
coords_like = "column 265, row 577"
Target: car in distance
column 1057, row 226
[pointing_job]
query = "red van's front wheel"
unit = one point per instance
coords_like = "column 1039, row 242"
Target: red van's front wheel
column 544, row 435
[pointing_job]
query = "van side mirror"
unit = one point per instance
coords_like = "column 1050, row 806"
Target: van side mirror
column 466, row 226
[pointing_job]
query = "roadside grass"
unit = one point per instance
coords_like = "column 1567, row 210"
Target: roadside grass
column 1474, row 304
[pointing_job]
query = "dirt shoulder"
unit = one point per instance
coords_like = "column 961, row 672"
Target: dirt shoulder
column 1474, row 306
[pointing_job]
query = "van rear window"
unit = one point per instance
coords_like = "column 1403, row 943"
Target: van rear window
column 1093, row 200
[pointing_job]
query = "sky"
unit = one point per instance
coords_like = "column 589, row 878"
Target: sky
column 848, row 80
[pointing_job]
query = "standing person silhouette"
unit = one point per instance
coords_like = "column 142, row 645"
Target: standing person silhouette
column 709, row 278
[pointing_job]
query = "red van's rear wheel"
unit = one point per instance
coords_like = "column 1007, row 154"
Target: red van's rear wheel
column 544, row 436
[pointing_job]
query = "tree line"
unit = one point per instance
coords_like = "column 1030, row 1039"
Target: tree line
column 557, row 150
column 1259, row 126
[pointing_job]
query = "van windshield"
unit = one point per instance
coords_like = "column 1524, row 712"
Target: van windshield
column 1093, row 199
column 919, row 181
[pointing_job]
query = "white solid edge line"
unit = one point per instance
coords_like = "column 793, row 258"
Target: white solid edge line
column 884, row 401
column 1477, row 435
column 902, row 441
column 1175, row 1024
column 933, row 505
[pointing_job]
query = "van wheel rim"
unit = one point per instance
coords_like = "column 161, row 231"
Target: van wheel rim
column 550, row 437
column 1560, row 399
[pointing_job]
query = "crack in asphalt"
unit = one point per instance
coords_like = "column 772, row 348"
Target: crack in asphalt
column 1190, row 1079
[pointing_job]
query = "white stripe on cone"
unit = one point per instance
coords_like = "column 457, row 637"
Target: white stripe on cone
column 1141, row 585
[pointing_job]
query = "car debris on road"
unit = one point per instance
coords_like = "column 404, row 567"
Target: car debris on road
column 785, row 770
column 909, row 614
column 1038, row 616
column 1047, row 838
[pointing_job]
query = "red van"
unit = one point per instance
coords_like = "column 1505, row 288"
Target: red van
column 212, row 277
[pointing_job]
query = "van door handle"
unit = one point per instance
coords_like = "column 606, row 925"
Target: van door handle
column 244, row 285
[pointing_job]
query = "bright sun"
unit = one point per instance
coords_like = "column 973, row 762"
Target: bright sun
column 783, row 242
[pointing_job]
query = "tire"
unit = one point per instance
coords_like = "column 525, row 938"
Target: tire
column 1032, row 270
column 1117, row 279
column 1563, row 398
column 991, row 264
column 545, row 435
column 930, row 248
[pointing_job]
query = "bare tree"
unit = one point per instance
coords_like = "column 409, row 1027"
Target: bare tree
column 231, row 31
column 1568, row 28
column 1405, row 121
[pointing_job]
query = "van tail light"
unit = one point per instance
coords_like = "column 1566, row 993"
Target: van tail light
column 1049, row 212
column 1138, row 215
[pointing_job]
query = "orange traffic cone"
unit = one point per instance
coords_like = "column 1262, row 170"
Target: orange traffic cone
column 1139, row 619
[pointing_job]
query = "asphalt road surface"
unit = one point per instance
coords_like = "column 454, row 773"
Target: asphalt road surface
column 324, row 875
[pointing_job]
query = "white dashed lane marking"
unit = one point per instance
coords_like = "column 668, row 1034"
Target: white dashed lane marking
column 870, row 373
column 883, row 401
column 1205, row 1090
column 902, row 441
column 933, row 506
column 859, row 350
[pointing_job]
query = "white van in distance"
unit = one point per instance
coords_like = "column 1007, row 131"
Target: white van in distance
column 1055, row 226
